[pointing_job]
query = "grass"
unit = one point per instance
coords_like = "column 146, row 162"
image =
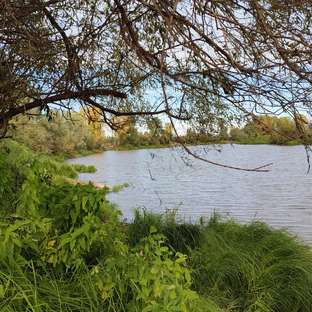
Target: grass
column 291, row 143
column 233, row 267
column 265, row 139
column 84, row 169
column 239, row 267
column 181, row 237
column 253, row 267
column 83, row 152
column 20, row 158
column 118, row 187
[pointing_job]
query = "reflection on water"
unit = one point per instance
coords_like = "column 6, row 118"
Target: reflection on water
column 166, row 178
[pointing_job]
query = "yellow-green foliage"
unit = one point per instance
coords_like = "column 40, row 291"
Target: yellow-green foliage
column 59, row 135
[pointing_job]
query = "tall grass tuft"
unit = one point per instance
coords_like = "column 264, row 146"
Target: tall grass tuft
column 84, row 169
column 180, row 236
column 252, row 267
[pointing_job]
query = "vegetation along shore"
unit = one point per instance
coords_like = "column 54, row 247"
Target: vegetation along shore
column 63, row 247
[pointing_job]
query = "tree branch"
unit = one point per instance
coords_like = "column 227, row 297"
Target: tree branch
column 60, row 97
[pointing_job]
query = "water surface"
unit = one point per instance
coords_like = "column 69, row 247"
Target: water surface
column 163, row 179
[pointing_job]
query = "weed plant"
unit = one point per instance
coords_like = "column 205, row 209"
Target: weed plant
column 20, row 158
column 84, row 169
column 180, row 236
column 119, row 187
column 237, row 267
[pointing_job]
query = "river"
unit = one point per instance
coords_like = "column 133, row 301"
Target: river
column 162, row 179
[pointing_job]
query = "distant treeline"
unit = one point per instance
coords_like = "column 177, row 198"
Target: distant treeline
column 279, row 130
column 276, row 130
column 69, row 134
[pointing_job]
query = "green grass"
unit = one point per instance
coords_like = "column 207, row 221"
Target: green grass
column 117, row 188
column 265, row 139
column 180, row 236
column 84, row 169
column 20, row 157
column 239, row 267
column 234, row 267
column 291, row 143
column 84, row 152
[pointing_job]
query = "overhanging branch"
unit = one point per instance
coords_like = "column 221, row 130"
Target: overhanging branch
column 57, row 98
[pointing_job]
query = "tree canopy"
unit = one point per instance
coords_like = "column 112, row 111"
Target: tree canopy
column 205, row 61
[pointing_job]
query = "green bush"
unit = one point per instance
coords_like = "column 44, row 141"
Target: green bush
column 264, row 139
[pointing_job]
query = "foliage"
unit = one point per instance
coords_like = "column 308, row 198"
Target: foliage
column 83, row 168
column 50, row 232
column 117, row 188
column 264, row 139
column 241, row 267
column 19, row 159
column 181, row 237
column 237, row 135
column 95, row 120
column 58, row 134
column 273, row 130
column 147, row 277
column 200, row 64
column 62, row 247
column 252, row 267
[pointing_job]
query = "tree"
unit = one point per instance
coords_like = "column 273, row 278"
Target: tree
column 62, row 135
column 168, row 132
column 94, row 119
column 213, row 61
column 237, row 134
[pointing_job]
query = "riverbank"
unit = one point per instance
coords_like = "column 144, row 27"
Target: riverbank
column 263, row 140
column 65, row 243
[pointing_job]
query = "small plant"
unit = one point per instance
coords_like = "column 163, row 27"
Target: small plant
column 148, row 277
column 180, row 236
column 83, row 168
column 117, row 188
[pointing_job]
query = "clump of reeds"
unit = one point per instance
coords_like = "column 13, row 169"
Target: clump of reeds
column 180, row 236
column 83, row 168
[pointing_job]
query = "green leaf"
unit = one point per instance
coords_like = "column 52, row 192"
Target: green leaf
column 153, row 229
column 109, row 286
column 64, row 241
column 16, row 241
column 82, row 242
column 143, row 281
column 155, row 269
column 84, row 201
column 120, row 260
column 173, row 294
column 110, row 263
column 181, row 259
column 1, row 292
column 187, row 276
